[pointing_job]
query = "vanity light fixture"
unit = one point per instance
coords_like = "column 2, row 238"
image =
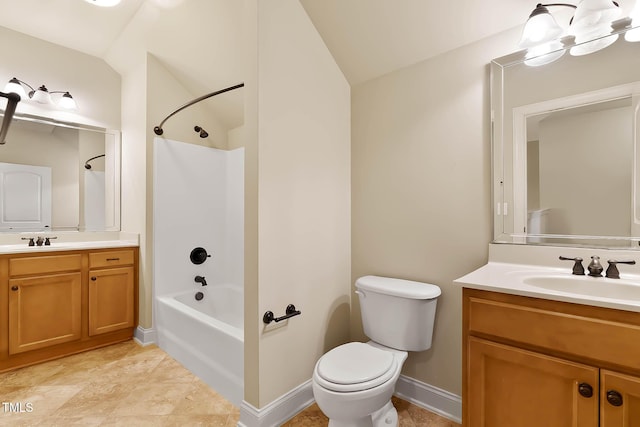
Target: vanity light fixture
column 42, row 95
column 104, row 3
column 541, row 27
column 592, row 20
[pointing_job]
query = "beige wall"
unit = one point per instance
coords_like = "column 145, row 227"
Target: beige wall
column 91, row 81
column 250, row 134
column 134, row 184
column 303, row 200
column 421, row 187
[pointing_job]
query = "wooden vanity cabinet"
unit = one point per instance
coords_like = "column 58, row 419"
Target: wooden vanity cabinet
column 111, row 291
column 50, row 306
column 530, row 362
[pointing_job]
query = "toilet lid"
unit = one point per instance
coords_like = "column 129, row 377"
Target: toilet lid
column 356, row 363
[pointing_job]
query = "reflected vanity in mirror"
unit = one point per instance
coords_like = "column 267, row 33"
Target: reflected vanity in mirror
column 564, row 148
column 45, row 183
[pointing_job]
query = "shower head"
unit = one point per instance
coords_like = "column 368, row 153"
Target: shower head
column 203, row 133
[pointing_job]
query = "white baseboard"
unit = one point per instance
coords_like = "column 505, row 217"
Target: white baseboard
column 438, row 401
column 145, row 337
column 432, row 398
column 278, row 411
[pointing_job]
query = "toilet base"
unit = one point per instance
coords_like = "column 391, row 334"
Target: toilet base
column 387, row 416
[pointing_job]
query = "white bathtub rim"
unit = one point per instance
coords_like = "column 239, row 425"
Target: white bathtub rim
column 170, row 300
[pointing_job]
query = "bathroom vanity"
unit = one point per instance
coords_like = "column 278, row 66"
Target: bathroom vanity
column 544, row 347
column 64, row 299
column 534, row 362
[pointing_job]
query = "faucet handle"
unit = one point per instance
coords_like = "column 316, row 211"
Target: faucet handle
column 30, row 239
column 612, row 270
column 578, row 269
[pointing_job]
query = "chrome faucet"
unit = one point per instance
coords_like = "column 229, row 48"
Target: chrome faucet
column 595, row 268
column 612, row 270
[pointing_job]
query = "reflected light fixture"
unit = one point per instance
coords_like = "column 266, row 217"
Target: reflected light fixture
column 590, row 26
column 104, row 3
column 543, row 54
column 633, row 35
column 42, row 95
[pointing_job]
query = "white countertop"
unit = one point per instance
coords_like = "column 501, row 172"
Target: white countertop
column 69, row 246
column 510, row 278
column 13, row 244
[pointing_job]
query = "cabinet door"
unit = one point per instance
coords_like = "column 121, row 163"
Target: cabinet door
column 510, row 387
column 111, row 300
column 44, row 311
column 620, row 397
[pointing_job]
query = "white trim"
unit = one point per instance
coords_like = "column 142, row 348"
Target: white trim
column 432, row 398
column 280, row 410
column 145, row 337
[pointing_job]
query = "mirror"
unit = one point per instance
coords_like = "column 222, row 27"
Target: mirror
column 563, row 139
column 59, row 176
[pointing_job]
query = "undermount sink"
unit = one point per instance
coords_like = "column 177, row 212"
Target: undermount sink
column 598, row 287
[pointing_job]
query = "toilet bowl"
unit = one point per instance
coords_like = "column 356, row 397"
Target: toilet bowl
column 353, row 383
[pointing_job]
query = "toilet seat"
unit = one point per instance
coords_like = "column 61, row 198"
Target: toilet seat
column 354, row 367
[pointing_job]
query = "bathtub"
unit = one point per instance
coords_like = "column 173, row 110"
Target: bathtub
column 206, row 336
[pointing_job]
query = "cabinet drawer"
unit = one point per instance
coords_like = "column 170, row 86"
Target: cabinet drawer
column 558, row 328
column 44, row 264
column 110, row 258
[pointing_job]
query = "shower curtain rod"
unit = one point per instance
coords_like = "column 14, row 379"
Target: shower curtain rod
column 87, row 165
column 158, row 129
column 10, row 109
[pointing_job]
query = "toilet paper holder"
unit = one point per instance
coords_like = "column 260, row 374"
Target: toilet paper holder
column 290, row 312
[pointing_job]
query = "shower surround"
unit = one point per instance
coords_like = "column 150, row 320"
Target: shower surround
column 198, row 201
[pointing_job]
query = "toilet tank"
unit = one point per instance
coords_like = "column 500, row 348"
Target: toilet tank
column 398, row 313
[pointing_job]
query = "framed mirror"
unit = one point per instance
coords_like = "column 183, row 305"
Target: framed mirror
column 564, row 138
column 59, row 176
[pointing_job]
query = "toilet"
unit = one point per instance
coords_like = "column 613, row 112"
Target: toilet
column 353, row 383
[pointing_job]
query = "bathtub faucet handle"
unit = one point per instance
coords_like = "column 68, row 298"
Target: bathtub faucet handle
column 201, row 280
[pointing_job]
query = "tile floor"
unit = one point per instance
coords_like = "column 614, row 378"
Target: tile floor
column 408, row 415
column 129, row 385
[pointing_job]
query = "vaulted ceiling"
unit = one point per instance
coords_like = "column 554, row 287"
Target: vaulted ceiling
column 368, row 38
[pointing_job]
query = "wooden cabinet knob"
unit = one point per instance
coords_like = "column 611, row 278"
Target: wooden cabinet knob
column 585, row 390
column 94, row 278
column 614, row 398
column 14, row 288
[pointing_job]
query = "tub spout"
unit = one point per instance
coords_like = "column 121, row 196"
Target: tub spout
column 201, row 280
